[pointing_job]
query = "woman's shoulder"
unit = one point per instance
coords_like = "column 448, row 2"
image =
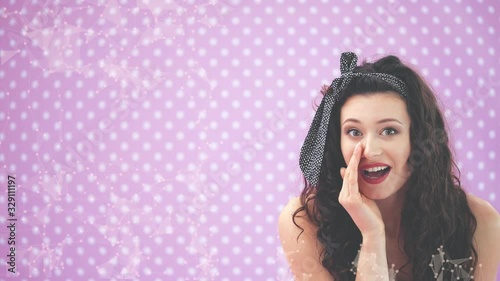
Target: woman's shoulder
column 487, row 217
column 483, row 210
column 300, row 246
column 288, row 222
column 296, row 232
column 486, row 236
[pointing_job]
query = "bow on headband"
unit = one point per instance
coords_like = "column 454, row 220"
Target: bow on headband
column 311, row 154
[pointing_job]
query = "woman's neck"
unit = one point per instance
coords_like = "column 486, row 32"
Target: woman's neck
column 390, row 209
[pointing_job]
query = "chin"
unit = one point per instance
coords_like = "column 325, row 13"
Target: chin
column 376, row 192
column 376, row 196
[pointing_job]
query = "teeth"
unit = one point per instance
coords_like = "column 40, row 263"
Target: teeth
column 376, row 169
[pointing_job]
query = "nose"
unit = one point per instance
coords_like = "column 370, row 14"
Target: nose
column 372, row 147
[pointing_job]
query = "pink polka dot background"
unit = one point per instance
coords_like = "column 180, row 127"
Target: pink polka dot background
column 159, row 140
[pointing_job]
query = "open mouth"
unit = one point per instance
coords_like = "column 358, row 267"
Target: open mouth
column 375, row 175
column 376, row 172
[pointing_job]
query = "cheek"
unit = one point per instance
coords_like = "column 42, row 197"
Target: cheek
column 403, row 147
column 407, row 151
column 405, row 158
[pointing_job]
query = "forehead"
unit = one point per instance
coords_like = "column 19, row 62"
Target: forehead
column 374, row 106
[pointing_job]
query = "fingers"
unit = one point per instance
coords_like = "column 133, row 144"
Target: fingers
column 353, row 169
column 344, row 192
column 356, row 155
column 350, row 175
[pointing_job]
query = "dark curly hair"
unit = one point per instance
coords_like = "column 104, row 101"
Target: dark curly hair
column 435, row 210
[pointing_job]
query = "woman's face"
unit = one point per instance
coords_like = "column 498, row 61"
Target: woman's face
column 380, row 121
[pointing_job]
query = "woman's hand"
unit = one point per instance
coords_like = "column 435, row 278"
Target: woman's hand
column 363, row 211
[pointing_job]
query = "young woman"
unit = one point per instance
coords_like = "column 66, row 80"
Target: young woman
column 382, row 200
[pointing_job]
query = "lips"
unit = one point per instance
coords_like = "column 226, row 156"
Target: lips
column 375, row 173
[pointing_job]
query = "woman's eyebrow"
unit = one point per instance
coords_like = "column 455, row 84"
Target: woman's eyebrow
column 385, row 120
column 351, row 120
column 389, row 120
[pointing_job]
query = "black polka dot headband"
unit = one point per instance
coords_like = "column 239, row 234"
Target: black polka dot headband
column 311, row 154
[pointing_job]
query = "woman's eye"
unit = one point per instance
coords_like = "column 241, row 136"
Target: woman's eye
column 354, row 132
column 389, row 131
